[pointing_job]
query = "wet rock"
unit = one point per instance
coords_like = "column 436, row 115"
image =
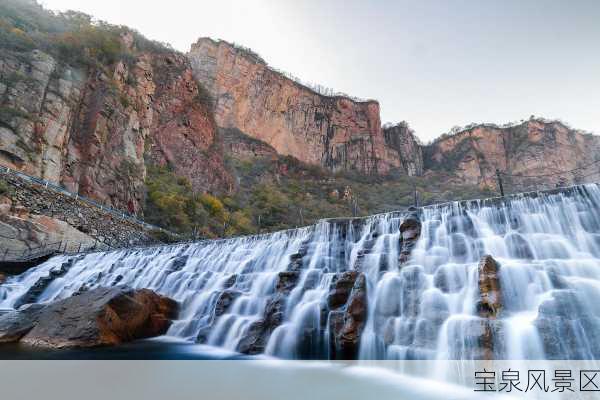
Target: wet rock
column 100, row 317
column 557, row 281
column 230, row 281
column 434, row 307
column 178, row 263
column 410, row 231
column 566, row 304
column 490, row 303
column 412, row 285
column 346, row 326
column 517, row 246
column 312, row 280
column 459, row 247
column 42, row 283
column 253, row 341
column 2, row 278
column 257, row 335
column 441, row 280
column 286, row 281
column 461, row 224
column 16, row 324
column 483, row 339
column 340, row 289
column 225, row 301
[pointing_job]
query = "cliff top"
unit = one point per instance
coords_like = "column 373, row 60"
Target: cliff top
column 457, row 131
column 256, row 58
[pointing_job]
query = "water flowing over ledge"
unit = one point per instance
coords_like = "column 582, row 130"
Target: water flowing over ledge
column 369, row 289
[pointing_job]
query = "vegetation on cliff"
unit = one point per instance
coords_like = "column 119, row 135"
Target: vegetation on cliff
column 72, row 37
column 271, row 192
column 279, row 192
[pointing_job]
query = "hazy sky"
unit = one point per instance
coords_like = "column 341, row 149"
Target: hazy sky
column 435, row 64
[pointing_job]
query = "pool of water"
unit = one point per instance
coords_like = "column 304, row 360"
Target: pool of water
column 150, row 349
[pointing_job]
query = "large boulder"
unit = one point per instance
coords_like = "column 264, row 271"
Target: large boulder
column 16, row 324
column 99, row 317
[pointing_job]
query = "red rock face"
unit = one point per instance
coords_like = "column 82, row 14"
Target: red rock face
column 94, row 132
column 335, row 132
column 535, row 147
column 183, row 132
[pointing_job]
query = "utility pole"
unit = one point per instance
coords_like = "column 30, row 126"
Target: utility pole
column 416, row 195
column 354, row 205
column 499, row 182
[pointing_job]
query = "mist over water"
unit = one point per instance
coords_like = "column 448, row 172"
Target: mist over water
column 547, row 246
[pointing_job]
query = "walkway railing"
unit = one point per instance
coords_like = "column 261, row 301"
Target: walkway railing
column 59, row 189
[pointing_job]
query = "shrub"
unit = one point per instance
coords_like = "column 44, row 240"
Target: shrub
column 4, row 188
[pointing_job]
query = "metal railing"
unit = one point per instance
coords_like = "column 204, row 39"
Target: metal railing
column 107, row 209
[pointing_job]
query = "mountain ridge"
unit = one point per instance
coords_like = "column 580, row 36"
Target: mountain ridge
column 215, row 142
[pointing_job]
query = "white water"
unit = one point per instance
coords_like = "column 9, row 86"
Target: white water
column 548, row 246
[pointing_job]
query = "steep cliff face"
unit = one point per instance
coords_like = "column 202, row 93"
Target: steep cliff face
column 402, row 139
column 531, row 153
column 93, row 128
column 335, row 132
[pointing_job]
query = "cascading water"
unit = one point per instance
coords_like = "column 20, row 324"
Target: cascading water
column 315, row 292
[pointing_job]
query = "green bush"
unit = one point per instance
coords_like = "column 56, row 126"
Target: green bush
column 4, row 188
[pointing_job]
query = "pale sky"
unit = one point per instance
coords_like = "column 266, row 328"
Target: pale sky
column 435, row 64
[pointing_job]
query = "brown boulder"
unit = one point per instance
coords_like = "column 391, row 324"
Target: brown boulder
column 410, row 231
column 340, row 289
column 2, row 278
column 346, row 326
column 100, row 317
column 490, row 303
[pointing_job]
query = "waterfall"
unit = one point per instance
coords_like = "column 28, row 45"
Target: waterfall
column 315, row 292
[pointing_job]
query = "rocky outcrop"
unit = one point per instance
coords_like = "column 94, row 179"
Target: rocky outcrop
column 534, row 147
column 183, row 134
column 404, row 141
column 243, row 147
column 347, row 306
column 257, row 335
column 410, row 232
column 490, row 301
column 489, row 307
column 336, row 132
column 94, row 129
column 99, row 317
column 32, row 215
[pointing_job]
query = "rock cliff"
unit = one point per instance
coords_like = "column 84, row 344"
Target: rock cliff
column 336, row 132
column 532, row 153
column 93, row 129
